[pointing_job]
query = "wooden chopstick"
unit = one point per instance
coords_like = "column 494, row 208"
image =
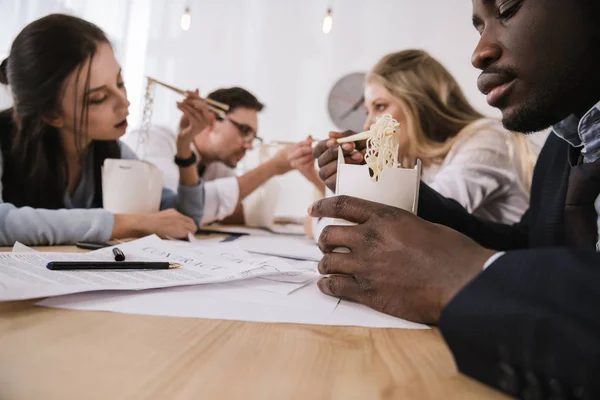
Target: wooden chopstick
column 217, row 104
column 286, row 143
column 173, row 88
column 217, row 111
column 355, row 138
column 279, row 143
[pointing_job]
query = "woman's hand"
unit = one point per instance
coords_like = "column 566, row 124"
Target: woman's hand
column 166, row 224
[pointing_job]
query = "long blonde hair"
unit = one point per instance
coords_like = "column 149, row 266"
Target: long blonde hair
column 437, row 112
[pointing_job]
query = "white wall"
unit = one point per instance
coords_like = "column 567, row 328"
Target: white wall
column 122, row 21
column 276, row 49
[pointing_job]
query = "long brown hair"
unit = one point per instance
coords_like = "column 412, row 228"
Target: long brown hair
column 437, row 112
column 41, row 58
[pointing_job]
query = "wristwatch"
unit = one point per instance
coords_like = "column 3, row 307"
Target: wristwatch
column 186, row 162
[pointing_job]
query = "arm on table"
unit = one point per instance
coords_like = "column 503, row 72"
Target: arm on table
column 237, row 218
column 32, row 226
column 531, row 320
column 225, row 195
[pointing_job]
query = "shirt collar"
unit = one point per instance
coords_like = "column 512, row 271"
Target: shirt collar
column 584, row 132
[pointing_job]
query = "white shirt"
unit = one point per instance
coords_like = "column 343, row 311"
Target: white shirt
column 221, row 186
column 481, row 174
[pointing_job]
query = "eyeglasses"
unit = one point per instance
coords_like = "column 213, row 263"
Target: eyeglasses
column 248, row 134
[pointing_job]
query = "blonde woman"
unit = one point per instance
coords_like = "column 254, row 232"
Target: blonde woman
column 465, row 156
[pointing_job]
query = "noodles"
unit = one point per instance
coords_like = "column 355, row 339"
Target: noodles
column 383, row 145
column 146, row 117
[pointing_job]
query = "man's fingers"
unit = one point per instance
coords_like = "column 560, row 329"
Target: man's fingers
column 331, row 154
column 188, row 111
column 209, row 116
column 355, row 158
column 337, row 135
column 193, row 95
column 320, row 148
column 330, row 182
column 328, row 156
column 360, row 145
column 342, row 286
column 335, row 236
column 195, row 115
column 345, row 207
column 327, row 171
column 197, row 103
column 338, row 263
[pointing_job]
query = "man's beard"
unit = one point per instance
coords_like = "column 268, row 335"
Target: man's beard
column 549, row 104
column 529, row 119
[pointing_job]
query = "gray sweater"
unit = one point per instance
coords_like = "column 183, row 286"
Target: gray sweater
column 78, row 221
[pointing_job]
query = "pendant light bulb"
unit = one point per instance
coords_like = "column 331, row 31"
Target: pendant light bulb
column 327, row 22
column 186, row 19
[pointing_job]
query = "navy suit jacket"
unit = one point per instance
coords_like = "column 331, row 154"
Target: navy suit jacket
column 529, row 324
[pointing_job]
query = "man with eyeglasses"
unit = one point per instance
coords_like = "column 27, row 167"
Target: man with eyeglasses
column 218, row 150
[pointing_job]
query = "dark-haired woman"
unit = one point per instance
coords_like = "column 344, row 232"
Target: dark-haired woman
column 70, row 109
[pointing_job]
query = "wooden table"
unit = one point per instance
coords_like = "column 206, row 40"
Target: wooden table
column 62, row 354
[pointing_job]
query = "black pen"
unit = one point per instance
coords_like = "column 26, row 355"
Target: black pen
column 91, row 245
column 119, row 255
column 83, row 265
column 218, row 232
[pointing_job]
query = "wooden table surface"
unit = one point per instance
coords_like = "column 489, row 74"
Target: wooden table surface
column 63, row 354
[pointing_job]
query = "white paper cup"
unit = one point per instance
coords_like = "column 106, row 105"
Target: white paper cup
column 131, row 186
column 396, row 187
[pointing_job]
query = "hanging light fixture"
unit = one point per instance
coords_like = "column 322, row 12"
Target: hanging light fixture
column 327, row 21
column 186, row 19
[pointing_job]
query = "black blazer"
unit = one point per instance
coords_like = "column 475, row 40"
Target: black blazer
column 530, row 324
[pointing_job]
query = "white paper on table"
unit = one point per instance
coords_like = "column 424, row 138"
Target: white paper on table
column 237, row 229
column 24, row 275
column 300, row 248
column 184, row 244
column 131, row 186
column 396, row 187
column 270, row 230
column 287, row 229
column 19, row 247
column 276, row 274
column 304, row 306
column 301, row 274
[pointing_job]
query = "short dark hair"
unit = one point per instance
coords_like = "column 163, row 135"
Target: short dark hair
column 236, row 97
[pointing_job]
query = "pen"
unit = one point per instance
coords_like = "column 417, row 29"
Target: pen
column 218, row 232
column 119, row 255
column 91, row 245
column 82, row 265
